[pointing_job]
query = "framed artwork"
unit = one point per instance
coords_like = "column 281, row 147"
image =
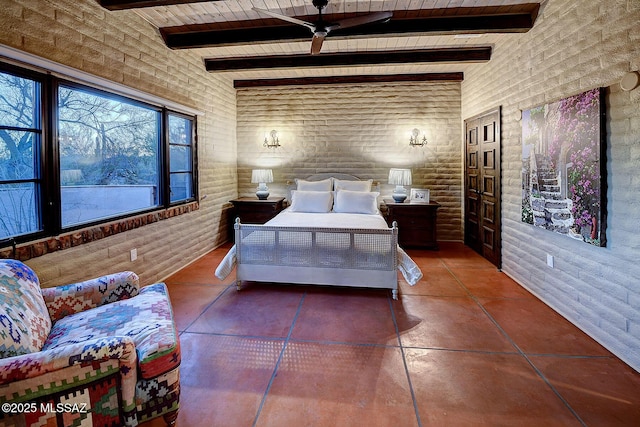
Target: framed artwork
column 563, row 167
column 419, row 195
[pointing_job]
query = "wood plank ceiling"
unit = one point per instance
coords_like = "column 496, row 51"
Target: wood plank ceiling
column 423, row 40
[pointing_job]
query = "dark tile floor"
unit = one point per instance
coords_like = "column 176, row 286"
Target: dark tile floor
column 466, row 346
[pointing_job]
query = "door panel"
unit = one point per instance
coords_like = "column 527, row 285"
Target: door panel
column 482, row 185
column 488, row 212
column 488, row 186
column 489, row 159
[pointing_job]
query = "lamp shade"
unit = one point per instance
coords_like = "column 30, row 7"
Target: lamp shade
column 261, row 175
column 400, row 176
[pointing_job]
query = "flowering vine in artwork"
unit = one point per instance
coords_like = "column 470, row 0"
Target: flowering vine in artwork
column 562, row 174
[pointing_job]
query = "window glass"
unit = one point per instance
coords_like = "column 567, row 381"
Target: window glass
column 17, row 154
column 20, row 136
column 181, row 186
column 180, row 158
column 109, row 156
column 19, row 102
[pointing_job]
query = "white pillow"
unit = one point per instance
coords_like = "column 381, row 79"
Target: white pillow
column 311, row 201
column 342, row 184
column 356, row 202
column 324, row 185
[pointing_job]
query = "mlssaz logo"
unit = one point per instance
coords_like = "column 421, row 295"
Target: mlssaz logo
column 78, row 408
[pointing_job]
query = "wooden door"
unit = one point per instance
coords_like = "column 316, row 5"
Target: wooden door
column 482, row 185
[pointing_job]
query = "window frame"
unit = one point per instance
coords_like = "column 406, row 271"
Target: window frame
column 49, row 204
column 194, row 160
column 39, row 150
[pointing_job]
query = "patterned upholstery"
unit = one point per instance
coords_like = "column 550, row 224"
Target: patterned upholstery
column 24, row 320
column 69, row 299
column 146, row 319
column 111, row 357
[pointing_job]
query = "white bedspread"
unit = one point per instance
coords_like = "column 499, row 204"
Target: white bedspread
column 409, row 269
column 287, row 218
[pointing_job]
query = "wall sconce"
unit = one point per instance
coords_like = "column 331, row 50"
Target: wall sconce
column 414, row 141
column 261, row 177
column 630, row 81
column 274, row 142
column 399, row 178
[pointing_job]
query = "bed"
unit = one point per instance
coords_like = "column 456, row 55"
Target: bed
column 331, row 234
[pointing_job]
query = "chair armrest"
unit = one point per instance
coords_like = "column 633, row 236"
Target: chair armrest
column 64, row 300
column 158, row 346
column 32, row 365
column 32, row 376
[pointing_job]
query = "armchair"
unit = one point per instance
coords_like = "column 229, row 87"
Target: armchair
column 104, row 352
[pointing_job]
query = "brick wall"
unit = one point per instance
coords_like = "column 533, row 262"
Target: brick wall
column 574, row 46
column 124, row 48
column 358, row 129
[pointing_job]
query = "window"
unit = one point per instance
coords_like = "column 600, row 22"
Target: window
column 180, row 158
column 111, row 156
column 20, row 136
column 109, row 150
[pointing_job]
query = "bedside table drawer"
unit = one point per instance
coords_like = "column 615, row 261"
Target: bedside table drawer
column 254, row 211
column 417, row 223
column 248, row 216
column 409, row 219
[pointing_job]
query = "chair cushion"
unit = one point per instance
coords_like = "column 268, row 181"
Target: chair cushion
column 146, row 318
column 24, row 319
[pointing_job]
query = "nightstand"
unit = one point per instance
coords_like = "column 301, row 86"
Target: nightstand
column 252, row 210
column 417, row 223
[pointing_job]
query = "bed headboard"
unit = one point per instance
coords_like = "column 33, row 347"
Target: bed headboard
column 325, row 175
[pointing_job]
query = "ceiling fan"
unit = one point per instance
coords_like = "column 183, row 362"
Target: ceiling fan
column 320, row 29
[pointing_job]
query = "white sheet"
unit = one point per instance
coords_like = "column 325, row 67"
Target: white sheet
column 409, row 269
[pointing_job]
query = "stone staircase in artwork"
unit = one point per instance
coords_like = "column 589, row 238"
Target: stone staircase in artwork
column 550, row 209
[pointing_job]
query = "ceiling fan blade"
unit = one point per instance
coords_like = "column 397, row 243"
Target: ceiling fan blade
column 309, row 25
column 360, row 20
column 316, row 42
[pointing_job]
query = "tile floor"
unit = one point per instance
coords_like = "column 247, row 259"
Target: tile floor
column 466, row 346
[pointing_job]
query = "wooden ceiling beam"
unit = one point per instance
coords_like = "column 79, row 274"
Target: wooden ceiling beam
column 377, row 78
column 470, row 54
column 136, row 4
column 205, row 35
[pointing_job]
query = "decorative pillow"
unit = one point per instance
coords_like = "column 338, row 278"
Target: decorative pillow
column 356, row 202
column 24, row 320
column 324, row 185
column 311, row 201
column 342, row 184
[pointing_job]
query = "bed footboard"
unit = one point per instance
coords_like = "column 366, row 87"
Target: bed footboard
column 317, row 255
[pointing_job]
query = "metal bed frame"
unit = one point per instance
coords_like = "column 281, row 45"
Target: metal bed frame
column 317, row 255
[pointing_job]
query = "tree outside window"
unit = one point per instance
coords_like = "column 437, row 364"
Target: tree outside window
column 108, row 151
column 20, row 136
